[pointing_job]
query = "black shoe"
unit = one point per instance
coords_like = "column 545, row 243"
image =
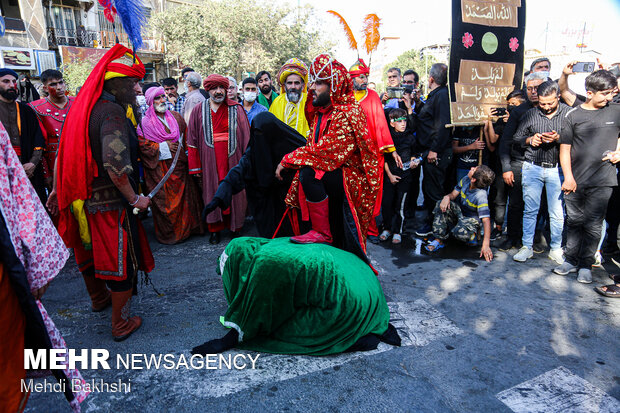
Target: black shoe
column 374, row 239
column 214, row 238
column 610, row 248
column 425, row 231
column 507, row 245
column 495, row 234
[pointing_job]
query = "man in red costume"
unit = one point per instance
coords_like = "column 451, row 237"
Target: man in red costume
column 96, row 187
column 377, row 127
column 52, row 112
column 217, row 135
column 339, row 175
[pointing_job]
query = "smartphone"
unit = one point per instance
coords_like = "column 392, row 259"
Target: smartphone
column 584, row 67
column 395, row 92
column 499, row 111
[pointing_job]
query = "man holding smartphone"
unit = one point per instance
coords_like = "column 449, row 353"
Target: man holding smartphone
column 589, row 147
column 538, row 135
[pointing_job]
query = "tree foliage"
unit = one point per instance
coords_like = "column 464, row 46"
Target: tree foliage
column 411, row 59
column 236, row 36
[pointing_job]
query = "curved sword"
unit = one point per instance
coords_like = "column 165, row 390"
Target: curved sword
column 161, row 183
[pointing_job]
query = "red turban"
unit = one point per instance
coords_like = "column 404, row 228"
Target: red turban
column 213, row 81
column 359, row 68
column 76, row 167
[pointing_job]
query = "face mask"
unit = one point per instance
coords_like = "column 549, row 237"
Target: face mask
column 249, row 96
column 141, row 100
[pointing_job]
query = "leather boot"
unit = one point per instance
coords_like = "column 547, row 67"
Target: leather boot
column 319, row 219
column 99, row 294
column 123, row 325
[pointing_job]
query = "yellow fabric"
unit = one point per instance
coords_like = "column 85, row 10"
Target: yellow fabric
column 112, row 75
column 130, row 115
column 291, row 114
column 360, row 94
column 77, row 208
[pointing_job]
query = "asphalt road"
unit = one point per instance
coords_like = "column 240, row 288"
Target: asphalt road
column 477, row 337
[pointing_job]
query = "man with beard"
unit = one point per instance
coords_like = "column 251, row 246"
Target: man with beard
column 51, row 112
column 176, row 207
column 217, row 135
column 538, row 133
column 23, row 127
column 289, row 107
column 267, row 94
column 377, row 127
column 96, row 173
column 339, row 176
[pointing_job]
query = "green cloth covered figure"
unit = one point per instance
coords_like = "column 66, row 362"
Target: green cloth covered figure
column 299, row 299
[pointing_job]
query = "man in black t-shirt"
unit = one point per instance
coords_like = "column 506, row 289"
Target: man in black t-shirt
column 589, row 133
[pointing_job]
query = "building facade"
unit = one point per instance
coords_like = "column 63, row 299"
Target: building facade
column 47, row 34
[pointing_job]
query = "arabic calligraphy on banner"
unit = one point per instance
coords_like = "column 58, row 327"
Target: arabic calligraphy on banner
column 482, row 93
column 463, row 112
column 491, row 13
column 486, row 73
column 486, row 57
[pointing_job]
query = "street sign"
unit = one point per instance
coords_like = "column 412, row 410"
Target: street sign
column 2, row 26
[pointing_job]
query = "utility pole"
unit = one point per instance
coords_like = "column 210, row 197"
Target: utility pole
column 546, row 35
column 583, row 36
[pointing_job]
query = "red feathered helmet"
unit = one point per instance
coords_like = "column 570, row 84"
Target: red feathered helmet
column 327, row 69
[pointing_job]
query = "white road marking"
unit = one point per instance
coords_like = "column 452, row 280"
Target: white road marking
column 418, row 324
column 558, row 390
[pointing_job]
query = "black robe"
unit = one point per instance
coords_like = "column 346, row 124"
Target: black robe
column 31, row 137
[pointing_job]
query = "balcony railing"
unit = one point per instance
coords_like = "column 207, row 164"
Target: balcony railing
column 108, row 40
column 89, row 38
column 65, row 37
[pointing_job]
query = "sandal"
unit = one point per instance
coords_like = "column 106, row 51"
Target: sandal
column 396, row 239
column 385, row 235
column 434, row 246
column 612, row 290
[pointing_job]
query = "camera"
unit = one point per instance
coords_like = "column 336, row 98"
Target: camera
column 395, row 92
column 499, row 112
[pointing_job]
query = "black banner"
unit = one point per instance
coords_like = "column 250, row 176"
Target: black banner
column 486, row 56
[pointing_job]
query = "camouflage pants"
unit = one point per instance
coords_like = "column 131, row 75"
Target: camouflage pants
column 452, row 221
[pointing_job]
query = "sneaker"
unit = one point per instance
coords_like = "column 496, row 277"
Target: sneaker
column 584, row 276
column 565, row 268
column 425, row 231
column 557, row 255
column 508, row 244
column 495, row 234
column 598, row 259
column 523, row 255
